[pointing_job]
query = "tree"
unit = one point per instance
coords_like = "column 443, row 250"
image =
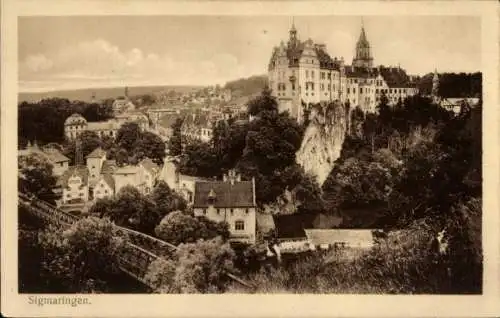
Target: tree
column 166, row 200
column 180, row 227
column 80, row 259
column 199, row 159
column 175, row 141
column 133, row 210
column 89, row 142
column 128, row 135
column 265, row 102
column 36, row 177
column 151, row 146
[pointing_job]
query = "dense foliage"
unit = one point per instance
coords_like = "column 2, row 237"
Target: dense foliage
column 35, row 177
column 139, row 212
column 80, row 259
column 453, row 84
column 43, row 121
column 199, row 267
column 181, row 227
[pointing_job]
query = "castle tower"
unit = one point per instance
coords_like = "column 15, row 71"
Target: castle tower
column 293, row 41
column 363, row 52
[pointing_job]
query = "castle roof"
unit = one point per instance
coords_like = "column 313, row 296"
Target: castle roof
column 238, row 194
column 395, row 77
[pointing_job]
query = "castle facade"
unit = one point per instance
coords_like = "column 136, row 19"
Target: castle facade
column 302, row 73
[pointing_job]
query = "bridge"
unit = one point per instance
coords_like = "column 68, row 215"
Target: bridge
column 138, row 253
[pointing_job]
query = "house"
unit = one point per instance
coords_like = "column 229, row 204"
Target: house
column 231, row 201
column 180, row 183
column 105, row 187
column 60, row 162
column 95, row 161
column 150, row 174
column 197, row 126
column 350, row 238
column 127, row 175
column 75, row 185
column 122, row 104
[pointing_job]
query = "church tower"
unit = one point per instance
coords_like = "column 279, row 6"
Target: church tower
column 435, row 85
column 363, row 52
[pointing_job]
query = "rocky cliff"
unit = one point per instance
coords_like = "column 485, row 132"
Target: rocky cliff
column 323, row 140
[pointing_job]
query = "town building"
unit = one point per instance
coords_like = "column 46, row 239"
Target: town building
column 105, row 187
column 75, row 185
column 231, row 201
column 302, row 73
column 60, row 162
column 197, row 126
column 95, row 161
column 150, row 174
column 76, row 124
column 180, row 183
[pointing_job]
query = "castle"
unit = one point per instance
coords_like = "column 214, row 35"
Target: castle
column 302, row 74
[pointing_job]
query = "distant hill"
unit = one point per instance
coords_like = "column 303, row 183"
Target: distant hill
column 102, row 93
column 247, row 86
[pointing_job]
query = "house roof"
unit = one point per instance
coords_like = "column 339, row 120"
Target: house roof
column 126, row 170
column 97, row 153
column 108, row 166
column 103, row 125
column 198, row 120
column 149, row 165
column 168, row 120
column 109, row 180
column 293, row 225
column 239, row 194
column 80, row 171
column 55, row 155
column 75, row 119
column 331, row 236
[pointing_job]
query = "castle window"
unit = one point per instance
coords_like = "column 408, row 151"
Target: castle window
column 307, row 75
column 232, row 211
column 312, row 74
column 239, row 225
column 348, row 91
column 322, row 87
column 293, row 86
column 354, row 90
column 361, row 90
column 322, row 75
column 329, row 76
column 247, row 210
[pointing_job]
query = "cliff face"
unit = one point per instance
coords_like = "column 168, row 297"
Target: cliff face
column 322, row 141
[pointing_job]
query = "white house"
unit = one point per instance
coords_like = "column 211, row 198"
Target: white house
column 231, row 201
column 95, row 161
column 105, row 187
column 150, row 173
column 75, row 185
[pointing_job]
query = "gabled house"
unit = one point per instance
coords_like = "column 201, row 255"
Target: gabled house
column 105, row 187
column 60, row 162
column 95, row 161
column 150, row 173
column 75, row 185
column 231, row 201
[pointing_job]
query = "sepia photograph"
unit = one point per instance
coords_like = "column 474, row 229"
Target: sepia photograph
column 322, row 154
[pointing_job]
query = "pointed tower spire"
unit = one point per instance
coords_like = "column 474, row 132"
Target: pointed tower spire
column 363, row 57
column 78, row 153
column 293, row 34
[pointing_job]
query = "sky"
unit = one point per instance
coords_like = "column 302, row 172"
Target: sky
column 108, row 51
